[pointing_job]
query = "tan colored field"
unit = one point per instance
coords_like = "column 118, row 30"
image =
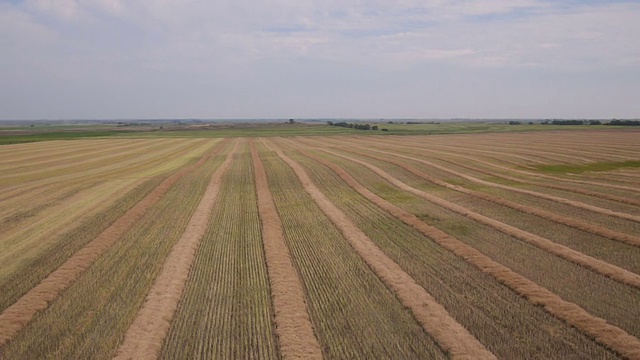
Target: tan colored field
column 508, row 246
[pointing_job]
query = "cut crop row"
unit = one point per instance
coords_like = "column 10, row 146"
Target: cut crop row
column 226, row 310
column 492, row 313
column 89, row 318
column 353, row 312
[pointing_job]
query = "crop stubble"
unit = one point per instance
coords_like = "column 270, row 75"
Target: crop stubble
column 16, row 316
column 226, row 310
column 610, row 336
column 453, row 338
column 94, row 319
column 144, row 337
column 354, row 314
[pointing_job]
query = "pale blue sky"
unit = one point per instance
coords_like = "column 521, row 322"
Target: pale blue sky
column 106, row 59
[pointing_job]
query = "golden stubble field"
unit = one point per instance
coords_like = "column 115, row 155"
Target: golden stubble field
column 509, row 246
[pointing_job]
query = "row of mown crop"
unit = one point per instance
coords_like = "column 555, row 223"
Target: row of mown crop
column 503, row 321
column 354, row 314
column 89, row 318
column 387, row 240
column 226, row 309
column 536, row 264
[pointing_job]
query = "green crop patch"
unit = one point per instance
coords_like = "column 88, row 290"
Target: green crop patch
column 579, row 169
column 47, row 136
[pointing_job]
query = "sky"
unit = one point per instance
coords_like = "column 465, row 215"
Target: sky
column 232, row 59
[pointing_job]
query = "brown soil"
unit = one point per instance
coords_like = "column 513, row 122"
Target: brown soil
column 293, row 326
column 610, row 336
column 434, row 318
column 16, row 316
column 143, row 339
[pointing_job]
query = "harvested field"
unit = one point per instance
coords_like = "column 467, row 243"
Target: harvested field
column 514, row 245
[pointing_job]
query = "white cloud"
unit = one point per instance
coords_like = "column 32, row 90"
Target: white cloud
column 139, row 44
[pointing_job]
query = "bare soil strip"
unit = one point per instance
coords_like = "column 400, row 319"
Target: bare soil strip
column 599, row 266
column 143, row 339
column 557, row 199
column 608, row 335
column 16, row 316
column 434, row 318
column 293, row 325
column 577, row 224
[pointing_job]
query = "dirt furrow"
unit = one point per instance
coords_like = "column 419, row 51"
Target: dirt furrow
column 16, row 316
column 574, row 223
column 608, row 335
column 599, row 266
column 143, row 339
column 293, row 325
column 434, row 318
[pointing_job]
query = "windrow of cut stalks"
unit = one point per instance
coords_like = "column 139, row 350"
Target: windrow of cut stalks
column 144, row 338
column 352, row 210
column 58, row 241
column 535, row 264
column 608, row 335
column 88, row 319
column 354, row 314
column 226, row 310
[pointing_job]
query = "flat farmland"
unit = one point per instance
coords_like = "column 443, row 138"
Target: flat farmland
column 515, row 245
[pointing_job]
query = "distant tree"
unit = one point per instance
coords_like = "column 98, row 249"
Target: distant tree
column 567, row 122
column 330, row 123
column 383, row 129
column 514, row 122
column 291, row 121
column 374, row 127
column 624, row 122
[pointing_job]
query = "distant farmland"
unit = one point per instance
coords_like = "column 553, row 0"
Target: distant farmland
column 506, row 245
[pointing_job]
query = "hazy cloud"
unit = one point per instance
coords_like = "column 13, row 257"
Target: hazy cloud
column 283, row 58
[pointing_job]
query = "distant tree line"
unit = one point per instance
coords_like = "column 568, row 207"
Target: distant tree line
column 624, row 122
column 572, row 122
column 592, row 122
column 354, row 126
